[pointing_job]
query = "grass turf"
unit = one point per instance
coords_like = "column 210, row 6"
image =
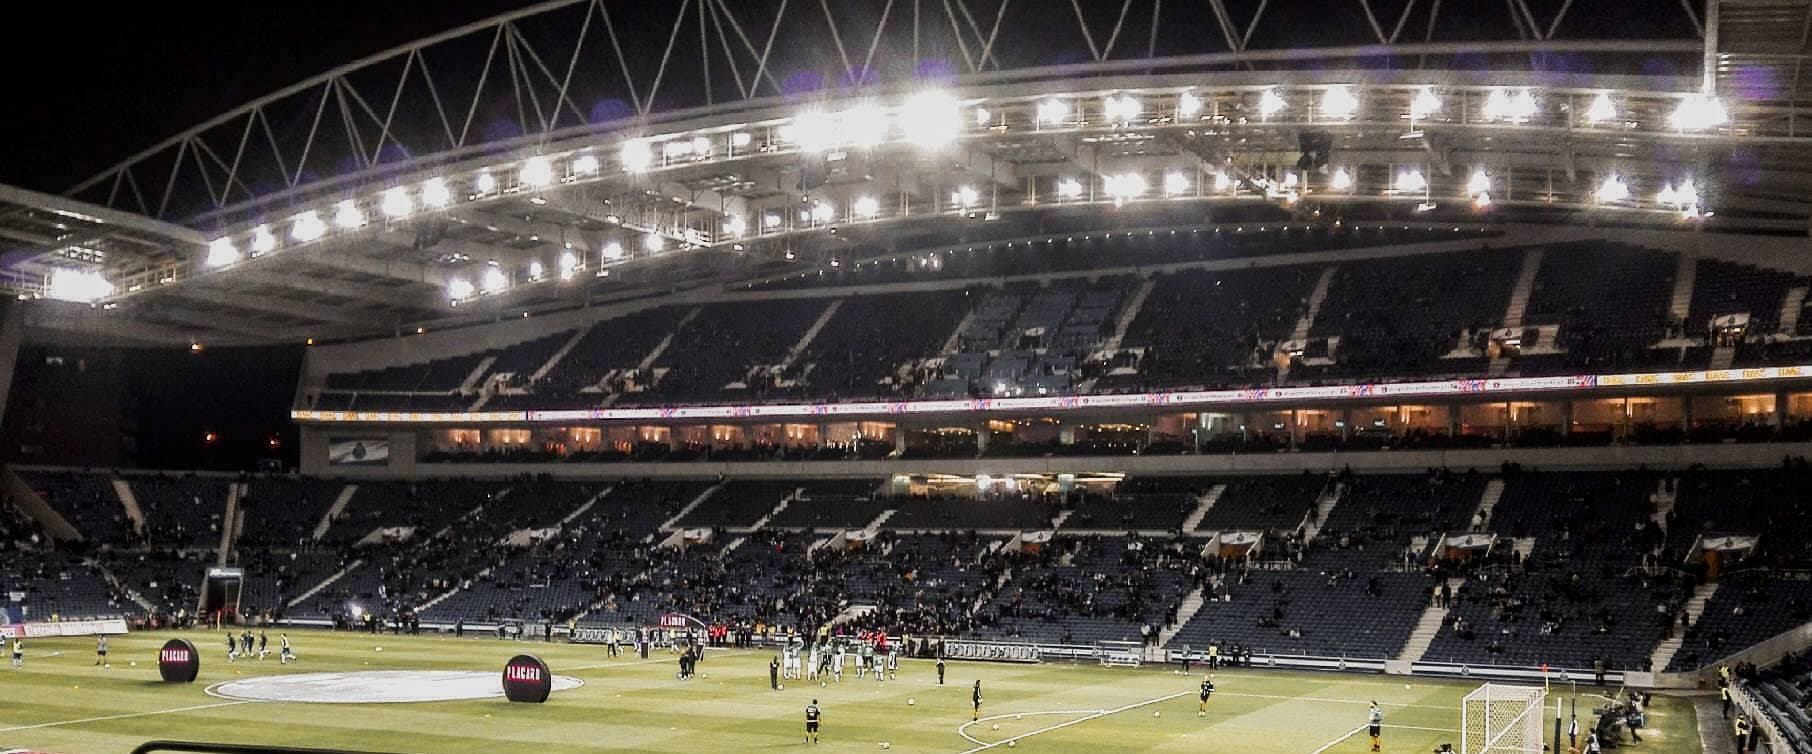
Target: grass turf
column 62, row 703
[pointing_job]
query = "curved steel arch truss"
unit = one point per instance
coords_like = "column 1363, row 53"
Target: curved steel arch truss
column 570, row 66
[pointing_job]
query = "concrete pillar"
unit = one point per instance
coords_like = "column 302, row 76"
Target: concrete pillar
column 1346, row 424
column 1566, row 418
column 1453, row 420
column 1295, row 429
column 981, row 438
column 1623, row 428
column 1779, row 418
column 823, row 435
column 1509, row 421
column 899, row 440
column 1686, row 417
column 1066, row 434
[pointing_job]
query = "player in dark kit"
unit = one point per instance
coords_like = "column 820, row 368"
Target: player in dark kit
column 940, row 671
column 811, row 721
column 975, row 698
column 232, row 649
column 1201, row 710
column 774, row 673
column 264, row 640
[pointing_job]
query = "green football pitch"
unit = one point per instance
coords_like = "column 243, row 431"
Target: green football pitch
column 61, row 702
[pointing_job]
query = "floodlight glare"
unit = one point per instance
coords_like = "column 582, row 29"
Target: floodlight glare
column 1341, row 180
column 1613, row 189
column 435, row 193
column 864, row 126
column 1121, row 108
column 459, row 289
column 585, row 164
column 1698, row 112
column 485, row 183
column 307, row 227
column 931, row 119
column 81, row 286
column 964, row 197
column 1052, row 111
column 653, row 242
column 535, row 269
column 1411, row 181
column 347, row 214
column 637, row 156
column 1601, row 110
column 263, row 241
column 1338, row 102
column 569, row 264
column 396, row 203
column 1175, row 183
column 222, row 252
column 1424, row 105
column 823, row 212
column 1270, row 104
column 735, row 225
column 1188, row 105
column 866, row 207
column 1069, row 188
column 613, row 251
column 1479, row 183
column 494, row 281
column 537, row 172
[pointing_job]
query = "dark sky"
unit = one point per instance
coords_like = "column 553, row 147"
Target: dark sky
column 90, row 83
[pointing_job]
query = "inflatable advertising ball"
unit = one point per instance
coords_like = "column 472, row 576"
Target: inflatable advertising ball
column 527, row 679
column 178, row 662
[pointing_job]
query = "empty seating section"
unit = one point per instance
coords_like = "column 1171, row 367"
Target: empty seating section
column 440, row 375
column 1574, row 600
column 833, row 505
column 87, row 501
column 1601, row 327
column 274, row 577
column 182, row 511
column 427, row 506
column 1747, row 608
column 1399, row 316
column 1721, row 288
column 1264, row 503
column 600, row 363
column 724, row 345
column 1156, row 511
column 950, row 513
column 283, row 511
column 1206, row 327
column 1753, row 503
column 871, row 338
column 519, row 362
column 1329, row 612
column 1784, row 694
column 739, row 503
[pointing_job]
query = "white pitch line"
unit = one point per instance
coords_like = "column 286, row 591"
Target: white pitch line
column 1338, row 741
column 123, row 716
column 963, row 730
column 1078, row 721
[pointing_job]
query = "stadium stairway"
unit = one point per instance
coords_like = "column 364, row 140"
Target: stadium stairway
column 231, row 524
column 327, row 582
column 1722, row 357
column 1324, row 505
column 1494, row 491
column 334, row 511
column 129, row 500
column 1316, row 296
column 1686, row 273
column 1191, row 604
column 1129, row 313
column 811, row 334
column 697, row 501
column 121, row 587
column 1663, row 500
column 582, row 509
column 1203, row 503
column 1427, row 627
column 875, row 525
column 554, row 360
column 778, row 507
column 1791, row 306
column 654, row 354
column 1695, row 606
column 478, row 372
column 1519, row 303
column 34, row 507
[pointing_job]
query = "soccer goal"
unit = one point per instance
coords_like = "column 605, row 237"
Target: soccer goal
column 1502, row 719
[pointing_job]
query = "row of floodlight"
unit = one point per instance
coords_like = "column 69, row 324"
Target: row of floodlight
column 928, row 120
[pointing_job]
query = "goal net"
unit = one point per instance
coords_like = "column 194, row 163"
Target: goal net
column 1502, row 719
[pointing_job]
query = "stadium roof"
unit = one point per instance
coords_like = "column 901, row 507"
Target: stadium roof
column 563, row 153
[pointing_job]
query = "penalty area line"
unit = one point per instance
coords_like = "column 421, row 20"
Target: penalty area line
column 1338, row 741
column 124, row 716
column 1097, row 714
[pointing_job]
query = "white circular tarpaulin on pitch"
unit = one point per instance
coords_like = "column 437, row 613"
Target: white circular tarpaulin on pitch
column 373, row 687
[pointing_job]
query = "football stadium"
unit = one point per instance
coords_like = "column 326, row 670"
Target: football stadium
column 1298, row 376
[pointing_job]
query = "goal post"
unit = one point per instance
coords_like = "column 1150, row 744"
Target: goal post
column 1501, row 718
